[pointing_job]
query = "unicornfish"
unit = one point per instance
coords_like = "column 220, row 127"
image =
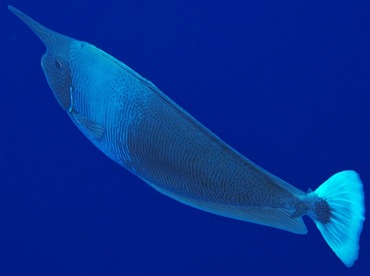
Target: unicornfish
column 135, row 124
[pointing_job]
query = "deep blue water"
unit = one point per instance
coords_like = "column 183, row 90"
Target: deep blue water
column 284, row 82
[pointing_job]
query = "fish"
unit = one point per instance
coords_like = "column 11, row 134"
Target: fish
column 135, row 124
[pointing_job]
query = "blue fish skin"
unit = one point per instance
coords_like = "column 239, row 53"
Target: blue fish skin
column 153, row 137
column 134, row 123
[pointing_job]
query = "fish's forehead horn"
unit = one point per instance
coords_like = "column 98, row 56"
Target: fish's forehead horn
column 47, row 36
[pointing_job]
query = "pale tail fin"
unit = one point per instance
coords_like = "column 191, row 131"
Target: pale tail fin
column 339, row 213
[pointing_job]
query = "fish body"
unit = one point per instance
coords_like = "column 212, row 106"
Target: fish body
column 135, row 124
column 146, row 132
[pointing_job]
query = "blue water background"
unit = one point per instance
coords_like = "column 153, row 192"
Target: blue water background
column 286, row 83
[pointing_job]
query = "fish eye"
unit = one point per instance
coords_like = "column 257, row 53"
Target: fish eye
column 58, row 64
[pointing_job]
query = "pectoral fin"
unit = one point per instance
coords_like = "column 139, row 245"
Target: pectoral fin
column 94, row 129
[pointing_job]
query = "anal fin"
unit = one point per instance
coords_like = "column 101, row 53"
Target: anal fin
column 274, row 217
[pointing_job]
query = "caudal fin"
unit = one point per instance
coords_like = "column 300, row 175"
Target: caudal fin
column 339, row 212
